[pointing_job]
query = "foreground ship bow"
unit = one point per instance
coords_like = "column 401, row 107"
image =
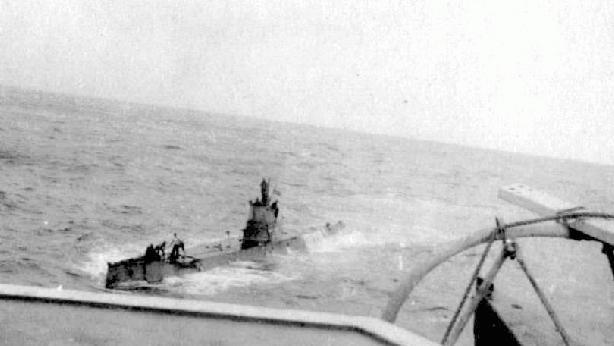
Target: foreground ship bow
column 261, row 235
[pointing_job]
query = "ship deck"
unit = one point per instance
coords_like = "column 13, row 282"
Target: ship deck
column 37, row 316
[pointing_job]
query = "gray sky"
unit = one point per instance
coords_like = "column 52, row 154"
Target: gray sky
column 530, row 76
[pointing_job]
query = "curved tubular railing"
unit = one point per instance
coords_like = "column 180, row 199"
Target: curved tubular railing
column 522, row 229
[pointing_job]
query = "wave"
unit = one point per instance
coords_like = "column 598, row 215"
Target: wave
column 95, row 265
column 217, row 280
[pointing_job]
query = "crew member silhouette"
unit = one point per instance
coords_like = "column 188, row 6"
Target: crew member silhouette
column 176, row 245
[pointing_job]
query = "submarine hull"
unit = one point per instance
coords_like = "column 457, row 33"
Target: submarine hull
column 205, row 257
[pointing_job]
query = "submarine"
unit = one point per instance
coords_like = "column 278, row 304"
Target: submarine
column 262, row 235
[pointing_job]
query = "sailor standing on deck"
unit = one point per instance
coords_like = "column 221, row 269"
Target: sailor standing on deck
column 176, row 244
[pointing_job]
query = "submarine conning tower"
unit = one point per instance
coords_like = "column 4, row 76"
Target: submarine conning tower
column 262, row 220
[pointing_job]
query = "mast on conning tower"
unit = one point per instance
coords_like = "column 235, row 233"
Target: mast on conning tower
column 264, row 187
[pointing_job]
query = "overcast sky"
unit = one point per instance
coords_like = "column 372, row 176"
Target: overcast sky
column 529, row 76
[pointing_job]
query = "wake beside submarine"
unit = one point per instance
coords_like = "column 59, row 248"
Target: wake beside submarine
column 261, row 235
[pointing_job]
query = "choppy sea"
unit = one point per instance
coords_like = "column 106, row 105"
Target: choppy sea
column 86, row 181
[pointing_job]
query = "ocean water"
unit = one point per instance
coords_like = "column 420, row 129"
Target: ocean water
column 85, row 181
